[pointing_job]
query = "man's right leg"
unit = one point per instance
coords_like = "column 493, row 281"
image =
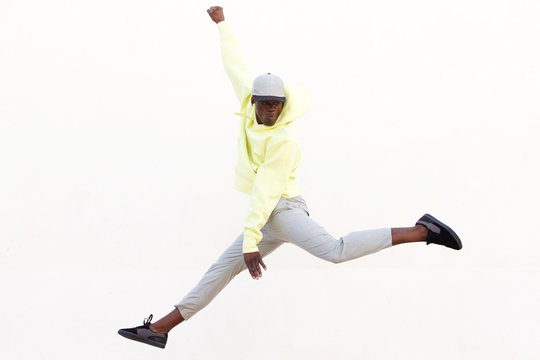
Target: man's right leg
column 229, row 264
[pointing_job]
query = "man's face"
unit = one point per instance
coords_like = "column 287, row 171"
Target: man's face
column 267, row 111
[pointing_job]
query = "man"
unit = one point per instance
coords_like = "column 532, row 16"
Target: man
column 266, row 170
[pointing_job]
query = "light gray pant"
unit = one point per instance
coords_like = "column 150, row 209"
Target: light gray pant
column 289, row 222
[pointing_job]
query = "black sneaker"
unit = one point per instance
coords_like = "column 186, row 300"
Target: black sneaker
column 145, row 335
column 439, row 233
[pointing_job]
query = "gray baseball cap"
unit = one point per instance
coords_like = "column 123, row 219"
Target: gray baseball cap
column 268, row 87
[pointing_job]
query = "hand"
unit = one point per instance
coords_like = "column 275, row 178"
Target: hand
column 253, row 260
column 216, row 14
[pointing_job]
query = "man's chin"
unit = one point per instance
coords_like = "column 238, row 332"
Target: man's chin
column 269, row 122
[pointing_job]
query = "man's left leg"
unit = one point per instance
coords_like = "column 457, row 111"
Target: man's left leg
column 417, row 233
column 295, row 226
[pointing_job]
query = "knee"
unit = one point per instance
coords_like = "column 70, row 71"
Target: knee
column 336, row 260
column 336, row 255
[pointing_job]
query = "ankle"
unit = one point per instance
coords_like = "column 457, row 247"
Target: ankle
column 422, row 232
column 157, row 329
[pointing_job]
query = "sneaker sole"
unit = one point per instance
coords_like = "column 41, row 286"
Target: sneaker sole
column 448, row 229
column 134, row 337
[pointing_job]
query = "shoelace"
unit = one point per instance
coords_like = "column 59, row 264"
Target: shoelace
column 146, row 322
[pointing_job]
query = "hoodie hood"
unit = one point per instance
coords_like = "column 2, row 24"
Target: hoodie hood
column 296, row 105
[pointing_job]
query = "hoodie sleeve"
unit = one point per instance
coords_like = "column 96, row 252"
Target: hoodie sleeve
column 268, row 187
column 234, row 62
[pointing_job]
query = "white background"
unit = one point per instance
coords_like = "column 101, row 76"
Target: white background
column 117, row 150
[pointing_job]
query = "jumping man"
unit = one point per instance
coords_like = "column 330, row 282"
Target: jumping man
column 266, row 170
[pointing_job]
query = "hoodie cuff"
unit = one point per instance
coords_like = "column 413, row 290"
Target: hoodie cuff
column 250, row 245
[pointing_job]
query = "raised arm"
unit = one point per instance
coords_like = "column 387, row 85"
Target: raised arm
column 233, row 59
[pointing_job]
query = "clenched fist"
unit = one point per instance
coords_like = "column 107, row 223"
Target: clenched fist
column 216, row 14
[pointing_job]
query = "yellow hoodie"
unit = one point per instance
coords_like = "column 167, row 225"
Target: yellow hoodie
column 268, row 156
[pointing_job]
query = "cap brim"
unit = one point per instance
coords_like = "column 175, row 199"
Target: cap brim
column 266, row 97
